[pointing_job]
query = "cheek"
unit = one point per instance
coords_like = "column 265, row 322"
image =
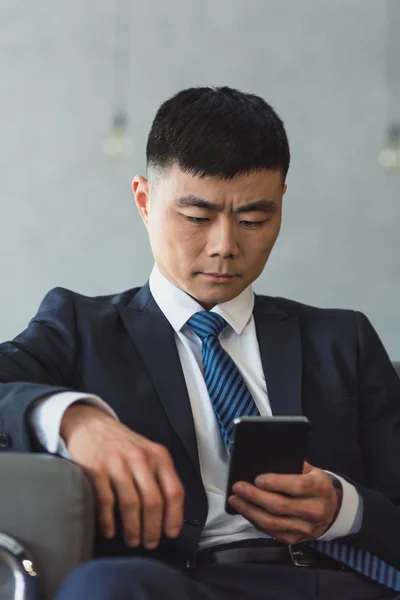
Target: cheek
column 267, row 241
column 163, row 229
column 256, row 249
column 174, row 237
column 185, row 234
column 262, row 244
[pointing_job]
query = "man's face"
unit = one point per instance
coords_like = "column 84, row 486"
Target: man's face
column 211, row 237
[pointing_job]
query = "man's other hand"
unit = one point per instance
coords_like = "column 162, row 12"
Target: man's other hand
column 289, row 508
column 130, row 469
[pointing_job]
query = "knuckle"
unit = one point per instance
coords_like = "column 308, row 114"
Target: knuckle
column 130, row 503
column 307, row 514
column 106, row 499
column 285, row 506
column 153, row 503
column 297, row 487
column 136, row 453
column 176, row 492
column 301, row 487
column 251, row 494
column 161, row 452
column 97, row 470
column 305, row 531
column 326, row 487
column 319, row 513
column 320, row 482
column 268, row 523
column 105, row 493
column 115, row 461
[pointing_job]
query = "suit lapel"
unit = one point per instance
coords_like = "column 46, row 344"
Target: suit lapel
column 154, row 338
column 279, row 340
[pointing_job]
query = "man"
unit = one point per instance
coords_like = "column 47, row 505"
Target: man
column 117, row 384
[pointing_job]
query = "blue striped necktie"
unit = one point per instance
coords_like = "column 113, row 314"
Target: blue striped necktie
column 231, row 399
column 227, row 390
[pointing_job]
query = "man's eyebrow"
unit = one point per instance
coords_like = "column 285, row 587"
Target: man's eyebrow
column 263, row 205
column 192, row 200
column 266, row 206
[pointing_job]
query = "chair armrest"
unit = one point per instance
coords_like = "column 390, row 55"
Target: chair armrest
column 47, row 505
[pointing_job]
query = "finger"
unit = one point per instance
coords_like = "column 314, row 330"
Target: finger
column 310, row 509
column 173, row 493
column 278, row 504
column 272, row 502
column 280, row 528
column 291, row 485
column 128, row 501
column 151, row 498
column 105, row 503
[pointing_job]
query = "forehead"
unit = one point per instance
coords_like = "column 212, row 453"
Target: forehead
column 242, row 188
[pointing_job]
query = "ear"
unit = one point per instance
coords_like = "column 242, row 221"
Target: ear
column 284, row 189
column 141, row 191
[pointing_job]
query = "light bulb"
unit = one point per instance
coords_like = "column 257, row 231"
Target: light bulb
column 389, row 156
column 118, row 143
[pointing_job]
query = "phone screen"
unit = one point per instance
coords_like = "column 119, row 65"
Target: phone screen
column 266, row 445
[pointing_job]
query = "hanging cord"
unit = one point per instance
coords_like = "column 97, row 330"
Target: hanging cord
column 393, row 61
column 121, row 63
column 389, row 155
column 118, row 143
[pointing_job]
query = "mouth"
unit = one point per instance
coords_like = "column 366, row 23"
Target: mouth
column 219, row 277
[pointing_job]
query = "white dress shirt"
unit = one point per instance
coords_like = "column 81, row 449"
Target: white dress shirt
column 240, row 342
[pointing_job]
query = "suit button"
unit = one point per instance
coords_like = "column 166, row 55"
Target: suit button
column 188, row 564
column 5, row 441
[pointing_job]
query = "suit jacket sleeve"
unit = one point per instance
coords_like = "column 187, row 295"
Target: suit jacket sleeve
column 379, row 406
column 37, row 363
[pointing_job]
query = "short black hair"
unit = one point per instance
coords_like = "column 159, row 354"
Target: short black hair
column 217, row 132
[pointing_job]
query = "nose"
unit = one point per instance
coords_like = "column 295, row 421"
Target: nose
column 222, row 240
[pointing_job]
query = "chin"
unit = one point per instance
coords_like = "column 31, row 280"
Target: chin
column 212, row 299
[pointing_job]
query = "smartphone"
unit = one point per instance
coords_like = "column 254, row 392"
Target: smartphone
column 266, row 445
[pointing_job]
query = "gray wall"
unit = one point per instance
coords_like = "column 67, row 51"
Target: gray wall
column 67, row 217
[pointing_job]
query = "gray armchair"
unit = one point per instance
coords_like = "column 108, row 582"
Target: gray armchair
column 47, row 522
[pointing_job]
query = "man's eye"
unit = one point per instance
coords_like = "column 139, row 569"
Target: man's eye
column 197, row 220
column 253, row 224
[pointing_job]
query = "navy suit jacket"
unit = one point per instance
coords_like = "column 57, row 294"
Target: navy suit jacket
column 327, row 364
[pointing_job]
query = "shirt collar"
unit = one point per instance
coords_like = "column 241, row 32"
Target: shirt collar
column 178, row 306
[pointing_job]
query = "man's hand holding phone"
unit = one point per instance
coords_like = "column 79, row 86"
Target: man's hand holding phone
column 289, row 508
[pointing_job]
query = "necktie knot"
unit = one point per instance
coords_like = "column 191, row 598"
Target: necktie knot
column 205, row 324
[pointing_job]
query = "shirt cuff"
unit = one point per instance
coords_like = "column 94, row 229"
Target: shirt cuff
column 350, row 515
column 46, row 416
